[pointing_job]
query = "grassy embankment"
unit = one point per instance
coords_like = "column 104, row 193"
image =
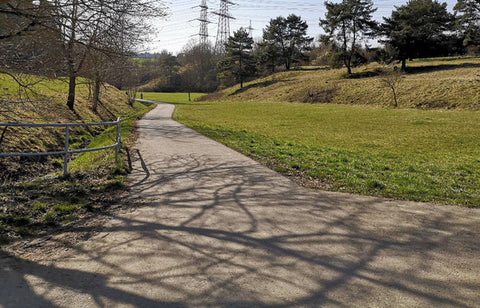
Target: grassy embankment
column 359, row 146
column 445, row 83
column 30, row 200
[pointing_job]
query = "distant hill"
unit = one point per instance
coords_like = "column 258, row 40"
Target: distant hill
column 442, row 83
column 145, row 55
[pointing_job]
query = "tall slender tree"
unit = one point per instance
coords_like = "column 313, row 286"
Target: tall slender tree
column 348, row 22
column 83, row 27
column 239, row 61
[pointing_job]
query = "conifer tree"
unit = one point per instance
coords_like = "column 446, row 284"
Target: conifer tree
column 239, row 62
column 347, row 22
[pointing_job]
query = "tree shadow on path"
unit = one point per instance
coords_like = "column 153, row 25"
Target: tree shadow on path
column 224, row 232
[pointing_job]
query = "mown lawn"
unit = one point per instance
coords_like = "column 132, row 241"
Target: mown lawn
column 421, row 155
column 173, row 98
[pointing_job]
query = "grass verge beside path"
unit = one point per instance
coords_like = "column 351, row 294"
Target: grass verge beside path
column 405, row 154
column 37, row 205
column 95, row 160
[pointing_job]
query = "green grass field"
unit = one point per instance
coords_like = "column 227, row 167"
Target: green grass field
column 173, row 98
column 352, row 140
column 421, row 155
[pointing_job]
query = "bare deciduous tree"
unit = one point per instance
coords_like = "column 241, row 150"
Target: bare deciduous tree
column 81, row 28
column 392, row 80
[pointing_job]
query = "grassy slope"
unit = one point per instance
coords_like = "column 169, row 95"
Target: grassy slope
column 436, row 83
column 422, row 155
column 45, row 102
column 39, row 202
column 49, row 98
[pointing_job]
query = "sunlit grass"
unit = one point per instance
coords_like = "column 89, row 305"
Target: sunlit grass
column 406, row 154
column 170, row 97
column 446, row 83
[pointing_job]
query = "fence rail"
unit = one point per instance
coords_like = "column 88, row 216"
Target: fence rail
column 66, row 152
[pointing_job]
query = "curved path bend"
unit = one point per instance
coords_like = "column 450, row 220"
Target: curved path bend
column 221, row 230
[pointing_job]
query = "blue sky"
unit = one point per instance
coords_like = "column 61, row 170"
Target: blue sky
column 177, row 29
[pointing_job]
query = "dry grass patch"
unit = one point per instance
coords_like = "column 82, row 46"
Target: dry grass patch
column 450, row 83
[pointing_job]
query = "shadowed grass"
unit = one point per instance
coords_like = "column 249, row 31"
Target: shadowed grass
column 33, row 194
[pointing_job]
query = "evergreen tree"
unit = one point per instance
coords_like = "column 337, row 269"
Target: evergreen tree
column 418, row 29
column 469, row 21
column 286, row 40
column 268, row 56
column 239, row 62
column 347, row 22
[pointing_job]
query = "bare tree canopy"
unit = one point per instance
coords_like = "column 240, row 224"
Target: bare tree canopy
column 77, row 30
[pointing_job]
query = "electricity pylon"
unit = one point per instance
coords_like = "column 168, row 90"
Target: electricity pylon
column 203, row 33
column 203, row 19
column 250, row 29
column 223, row 31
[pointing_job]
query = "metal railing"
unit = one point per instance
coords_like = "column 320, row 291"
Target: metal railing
column 66, row 151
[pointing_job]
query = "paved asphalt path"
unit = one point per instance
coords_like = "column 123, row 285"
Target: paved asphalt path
column 220, row 230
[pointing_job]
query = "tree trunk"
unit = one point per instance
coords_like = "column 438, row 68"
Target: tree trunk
column 395, row 97
column 71, row 62
column 189, row 98
column 96, row 93
column 404, row 65
column 348, row 63
column 71, row 92
column 241, row 70
column 273, row 64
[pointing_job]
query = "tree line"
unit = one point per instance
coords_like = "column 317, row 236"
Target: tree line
column 96, row 39
column 417, row 29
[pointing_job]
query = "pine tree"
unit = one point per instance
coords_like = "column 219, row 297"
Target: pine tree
column 239, row 62
column 468, row 12
column 417, row 29
column 347, row 22
column 288, row 37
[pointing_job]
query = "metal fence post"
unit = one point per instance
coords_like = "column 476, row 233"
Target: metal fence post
column 117, row 149
column 66, row 152
column 65, row 158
